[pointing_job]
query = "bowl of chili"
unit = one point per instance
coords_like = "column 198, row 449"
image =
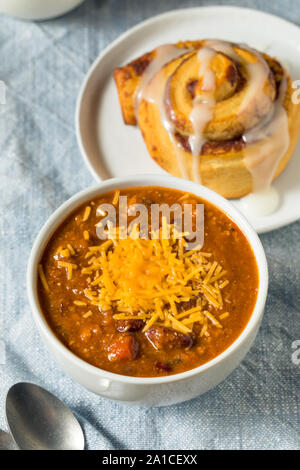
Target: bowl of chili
column 144, row 320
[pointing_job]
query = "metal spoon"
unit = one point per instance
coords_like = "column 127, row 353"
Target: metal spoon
column 38, row 420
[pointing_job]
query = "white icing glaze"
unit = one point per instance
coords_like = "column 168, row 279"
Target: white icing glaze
column 261, row 203
column 164, row 54
column 267, row 141
column 203, row 108
column 257, row 72
column 272, row 134
column 155, row 94
column 258, row 75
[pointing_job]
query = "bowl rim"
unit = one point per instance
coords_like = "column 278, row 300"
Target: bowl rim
column 62, row 212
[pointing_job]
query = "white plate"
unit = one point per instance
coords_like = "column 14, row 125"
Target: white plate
column 110, row 148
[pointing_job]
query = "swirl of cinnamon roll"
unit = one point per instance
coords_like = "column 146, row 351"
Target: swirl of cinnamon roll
column 212, row 111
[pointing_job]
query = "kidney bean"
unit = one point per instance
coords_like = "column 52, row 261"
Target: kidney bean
column 123, row 348
column 167, row 338
column 130, row 325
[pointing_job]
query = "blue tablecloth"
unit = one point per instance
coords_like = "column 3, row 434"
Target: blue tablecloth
column 43, row 65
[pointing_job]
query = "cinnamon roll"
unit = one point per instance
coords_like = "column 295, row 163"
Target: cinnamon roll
column 214, row 112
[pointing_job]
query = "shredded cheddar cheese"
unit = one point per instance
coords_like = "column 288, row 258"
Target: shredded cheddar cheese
column 71, row 249
column 150, row 279
column 86, row 214
column 116, row 197
column 88, row 314
column 224, row 315
column 43, row 278
column 68, row 266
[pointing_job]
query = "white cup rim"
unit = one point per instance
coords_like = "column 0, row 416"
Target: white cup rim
column 79, row 198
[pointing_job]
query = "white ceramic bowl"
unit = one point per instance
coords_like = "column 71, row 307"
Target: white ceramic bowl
column 38, row 9
column 156, row 391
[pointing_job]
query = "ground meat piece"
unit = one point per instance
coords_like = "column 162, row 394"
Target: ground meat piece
column 124, row 348
column 129, row 325
column 167, row 338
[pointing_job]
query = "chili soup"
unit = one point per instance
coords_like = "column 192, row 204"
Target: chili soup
column 147, row 307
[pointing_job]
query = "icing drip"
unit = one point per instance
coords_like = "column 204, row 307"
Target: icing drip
column 203, row 109
column 164, row 54
column 261, row 203
column 155, row 94
column 272, row 139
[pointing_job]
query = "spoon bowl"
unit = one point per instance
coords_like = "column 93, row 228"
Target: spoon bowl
column 38, row 420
